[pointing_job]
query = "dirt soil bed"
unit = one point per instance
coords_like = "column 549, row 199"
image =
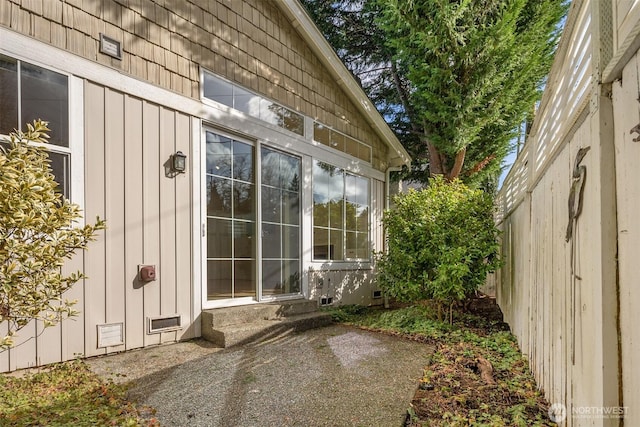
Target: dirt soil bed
column 479, row 380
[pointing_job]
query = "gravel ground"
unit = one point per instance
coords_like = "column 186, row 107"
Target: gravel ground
column 331, row 376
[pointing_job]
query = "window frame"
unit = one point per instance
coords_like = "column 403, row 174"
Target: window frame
column 261, row 98
column 75, row 149
column 343, row 228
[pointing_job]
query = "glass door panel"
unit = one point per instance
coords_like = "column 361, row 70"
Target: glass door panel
column 280, row 226
column 231, row 218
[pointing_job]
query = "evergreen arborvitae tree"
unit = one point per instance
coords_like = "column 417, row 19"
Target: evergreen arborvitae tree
column 456, row 78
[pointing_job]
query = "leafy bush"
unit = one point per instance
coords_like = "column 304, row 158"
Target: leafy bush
column 442, row 243
column 38, row 232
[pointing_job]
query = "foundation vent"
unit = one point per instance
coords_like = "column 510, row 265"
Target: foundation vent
column 165, row 323
column 110, row 334
column 326, row 300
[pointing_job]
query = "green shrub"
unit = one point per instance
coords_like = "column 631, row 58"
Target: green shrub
column 442, row 243
column 38, row 232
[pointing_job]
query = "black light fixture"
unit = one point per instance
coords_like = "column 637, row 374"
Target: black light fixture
column 179, row 162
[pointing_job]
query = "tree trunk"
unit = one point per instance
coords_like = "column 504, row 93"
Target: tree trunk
column 457, row 165
column 438, row 163
column 435, row 162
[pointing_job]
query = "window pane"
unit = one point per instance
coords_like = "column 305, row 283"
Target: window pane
column 271, row 204
column 364, row 152
column 218, row 238
column 336, row 244
column 60, row 169
column 243, row 200
column 45, row 95
column 362, row 191
column 271, row 283
column 270, row 112
column 243, row 246
column 336, row 184
column 351, row 146
column 292, row 121
column 352, row 245
column 321, row 134
column 363, row 246
column 242, row 161
column 291, row 276
column 337, row 141
column 363, row 219
column 271, row 234
column 336, row 214
column 244, row 274
column 320, row 196
column 218, row 279
column 270, row 164
column 8, row 95
column 246, row 102
column 290, row 207
column 351, row 216
column 290, row 242
column 218, row 155
column 320, row 243
column 218, row 196
column 289, row 172
column 218, row 90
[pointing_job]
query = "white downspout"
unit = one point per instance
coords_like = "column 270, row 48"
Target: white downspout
column 387, row 202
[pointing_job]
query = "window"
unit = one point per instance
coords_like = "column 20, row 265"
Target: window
column 234, row 96
column 338, row 141
column 29, row 92
column 340, row 214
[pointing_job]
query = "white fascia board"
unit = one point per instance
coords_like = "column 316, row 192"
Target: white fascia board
column 319, row 45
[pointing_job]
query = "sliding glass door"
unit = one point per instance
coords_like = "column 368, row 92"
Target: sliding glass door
column 243, row 265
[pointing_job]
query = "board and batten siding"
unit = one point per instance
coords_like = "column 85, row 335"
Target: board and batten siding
column 149, row 221
column 128, row 143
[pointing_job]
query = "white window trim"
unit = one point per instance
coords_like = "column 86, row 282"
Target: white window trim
column 345, row 263
column 75, row 92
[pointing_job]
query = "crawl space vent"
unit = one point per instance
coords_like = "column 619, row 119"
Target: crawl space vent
column 165, row 323
column 110, row 334
column 326, row 300
column 377, row 294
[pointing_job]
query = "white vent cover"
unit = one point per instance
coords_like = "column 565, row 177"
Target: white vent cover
column 110, row 334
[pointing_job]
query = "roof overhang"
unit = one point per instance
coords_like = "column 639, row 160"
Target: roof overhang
column 301, row 20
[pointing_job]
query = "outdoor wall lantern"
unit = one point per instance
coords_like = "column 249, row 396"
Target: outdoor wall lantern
column 179, row 162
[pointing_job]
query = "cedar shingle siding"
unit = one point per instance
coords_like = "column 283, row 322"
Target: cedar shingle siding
column 164, row 42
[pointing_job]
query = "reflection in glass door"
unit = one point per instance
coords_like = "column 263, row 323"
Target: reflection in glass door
column 231, row 218
column 280, row 225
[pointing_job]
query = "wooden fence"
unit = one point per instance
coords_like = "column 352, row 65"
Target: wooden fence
column 568, row 288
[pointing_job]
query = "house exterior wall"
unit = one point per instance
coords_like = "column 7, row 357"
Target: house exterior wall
column 572, row 303
column 165, row 43
column 128, row 117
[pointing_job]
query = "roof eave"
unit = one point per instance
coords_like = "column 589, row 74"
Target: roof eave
column 319, row 45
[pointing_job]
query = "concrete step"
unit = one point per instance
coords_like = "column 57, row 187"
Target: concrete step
column 254, row 312
column 231, row 326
